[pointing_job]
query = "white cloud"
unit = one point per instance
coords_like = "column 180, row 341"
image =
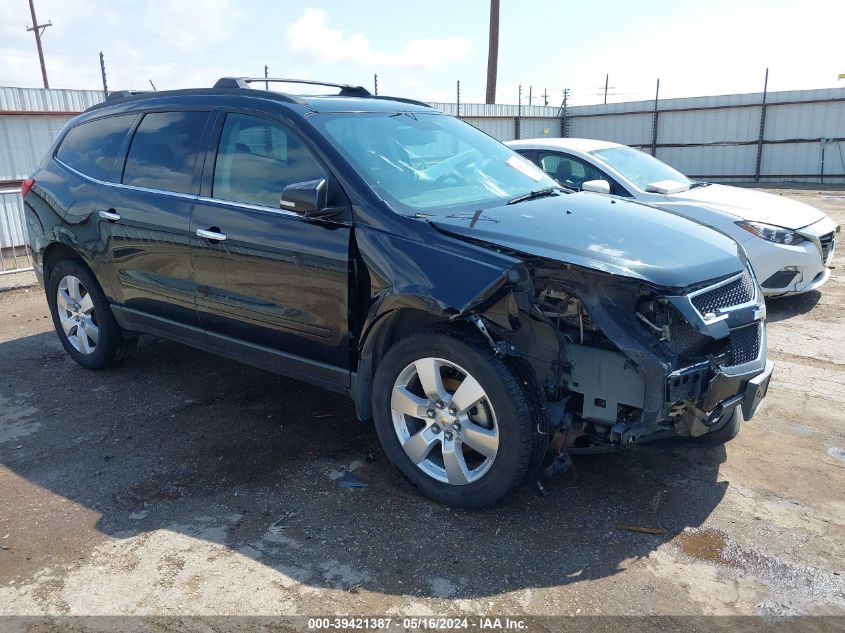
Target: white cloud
column 311, row 37
column 209, row 22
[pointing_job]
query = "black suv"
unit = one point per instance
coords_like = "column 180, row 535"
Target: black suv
column 478, row 311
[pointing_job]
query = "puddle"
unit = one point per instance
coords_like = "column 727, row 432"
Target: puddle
column 16, row 420
column 705, row 545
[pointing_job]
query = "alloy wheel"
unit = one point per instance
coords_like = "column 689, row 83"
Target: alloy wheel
column 444, row 421
column 77, row 315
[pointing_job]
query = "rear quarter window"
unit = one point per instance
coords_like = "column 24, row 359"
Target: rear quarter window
column 92, row 147
column 164, row 150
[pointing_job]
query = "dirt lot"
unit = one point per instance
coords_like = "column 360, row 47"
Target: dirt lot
column 181, row 482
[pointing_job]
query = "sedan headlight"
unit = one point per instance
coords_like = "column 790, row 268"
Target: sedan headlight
column 771, row 233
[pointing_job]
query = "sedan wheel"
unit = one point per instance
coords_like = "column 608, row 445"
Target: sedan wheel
column 77, row 315
column 444, row 421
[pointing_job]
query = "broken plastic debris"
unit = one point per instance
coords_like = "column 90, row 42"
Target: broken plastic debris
column 836, row 453
column 351, row 481
column 644, row 530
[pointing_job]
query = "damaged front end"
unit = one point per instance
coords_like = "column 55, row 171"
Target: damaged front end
column 624, row 361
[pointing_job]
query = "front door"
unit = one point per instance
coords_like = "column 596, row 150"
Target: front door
column 272, row 286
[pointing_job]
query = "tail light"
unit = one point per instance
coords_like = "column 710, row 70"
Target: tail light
column 26, row 185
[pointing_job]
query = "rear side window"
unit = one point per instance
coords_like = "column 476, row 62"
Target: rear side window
column 164, row 151
column 257, row 159
column 92, row 147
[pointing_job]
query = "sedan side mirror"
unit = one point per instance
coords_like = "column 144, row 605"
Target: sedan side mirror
column 307, row 198
column 596, row 186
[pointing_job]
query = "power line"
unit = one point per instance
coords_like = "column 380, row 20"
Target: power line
column 38, row 30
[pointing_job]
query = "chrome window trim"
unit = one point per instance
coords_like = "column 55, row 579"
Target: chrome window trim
column 247, row 205
column 178, row 194
column 120, row 185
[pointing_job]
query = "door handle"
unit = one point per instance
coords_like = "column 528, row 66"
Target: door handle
column 211, row 235
column 111, row 215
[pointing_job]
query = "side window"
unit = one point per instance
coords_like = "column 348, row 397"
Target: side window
column 568, row 170
column 164, row 151
column 92, row 147
column 257, row 159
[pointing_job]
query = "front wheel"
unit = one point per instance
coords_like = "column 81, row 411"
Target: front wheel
column 457, row 421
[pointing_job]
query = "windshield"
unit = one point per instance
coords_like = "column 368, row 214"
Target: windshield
column 640, row 168
column 431, row 163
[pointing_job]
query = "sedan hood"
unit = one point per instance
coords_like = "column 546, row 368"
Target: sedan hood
column 605, row 234
column 756, row 206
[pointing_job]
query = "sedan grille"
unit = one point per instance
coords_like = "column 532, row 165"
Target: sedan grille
column 745, row 345
column 827, row 247
column 733, row 293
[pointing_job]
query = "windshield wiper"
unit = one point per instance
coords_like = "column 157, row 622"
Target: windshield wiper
column 700, row 184
column 539, row 193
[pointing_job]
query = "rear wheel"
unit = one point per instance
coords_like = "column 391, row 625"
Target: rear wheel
column 83, row 319
column 455, row 419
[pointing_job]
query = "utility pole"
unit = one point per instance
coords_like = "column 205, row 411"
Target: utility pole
column 545, row 97
column 607, row 88
column 654, row 120
column 375, row 83
column 38, row 29
column 459, row 98
column 530, row 94
column 266, row 83
column 103, row 73
column 493, row 52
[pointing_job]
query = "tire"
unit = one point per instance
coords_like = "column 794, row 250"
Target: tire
column 509, row 409
column 87, row 329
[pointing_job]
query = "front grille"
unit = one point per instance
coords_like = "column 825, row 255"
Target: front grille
column 827, row 247
column 736, row 292
column 692, row 346
column 745, row 345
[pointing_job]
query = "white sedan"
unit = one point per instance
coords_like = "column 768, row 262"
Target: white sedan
column 789, row 244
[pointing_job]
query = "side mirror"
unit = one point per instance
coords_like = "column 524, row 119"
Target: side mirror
column 307, row 198
column 596, row 186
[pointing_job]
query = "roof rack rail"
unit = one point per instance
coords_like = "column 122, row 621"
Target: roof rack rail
column 243, row 82
column 403, row 100
column 120, row 94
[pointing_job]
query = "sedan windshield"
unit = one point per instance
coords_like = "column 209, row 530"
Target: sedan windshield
column 640, row 168
column 431, row 163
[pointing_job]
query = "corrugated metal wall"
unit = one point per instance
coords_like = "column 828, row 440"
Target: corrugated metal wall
column 30, row 118
column 719, row 141
column 24, row 139
column 717, row 137
column 53, row 100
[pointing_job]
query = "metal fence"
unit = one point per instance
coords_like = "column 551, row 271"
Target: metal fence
column 14, row 256
column 755, row 137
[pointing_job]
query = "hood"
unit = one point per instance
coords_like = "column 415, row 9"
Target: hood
column 605, row 234
column 757, row 206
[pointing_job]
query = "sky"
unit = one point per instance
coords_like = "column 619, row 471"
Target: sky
column 421, row 49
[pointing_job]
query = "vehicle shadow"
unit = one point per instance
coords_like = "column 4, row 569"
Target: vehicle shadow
column 180, row 440
column 782, row 308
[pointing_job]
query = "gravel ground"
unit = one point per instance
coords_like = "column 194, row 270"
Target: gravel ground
column 185, row 483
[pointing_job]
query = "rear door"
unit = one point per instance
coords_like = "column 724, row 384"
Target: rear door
column 274, row 287
column 146, row 216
